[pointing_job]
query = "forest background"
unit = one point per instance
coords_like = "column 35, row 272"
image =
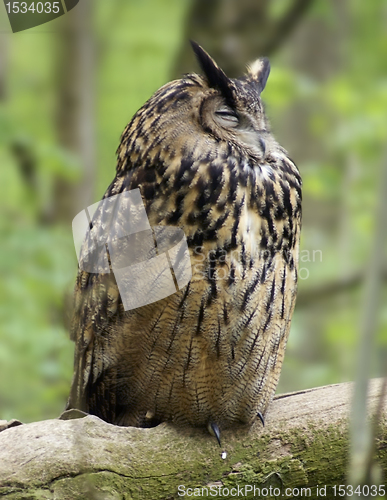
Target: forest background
column 67, row 90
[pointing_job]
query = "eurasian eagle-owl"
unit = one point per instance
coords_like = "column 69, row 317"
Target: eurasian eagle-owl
column 201, row 153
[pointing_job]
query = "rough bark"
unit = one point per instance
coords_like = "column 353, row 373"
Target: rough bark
column 304, row 444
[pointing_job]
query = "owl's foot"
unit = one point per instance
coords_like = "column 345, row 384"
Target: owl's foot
column 150, row 420
column 214, row 430
column 72, row 414
column 260, row 416
column 4, row 424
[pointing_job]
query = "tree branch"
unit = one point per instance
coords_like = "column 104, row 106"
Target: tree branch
column 304, row 443
column 332, row 288
column 282, row 29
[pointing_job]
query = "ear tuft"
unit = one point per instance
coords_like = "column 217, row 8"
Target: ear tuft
column 216, row 77
column 259, row 71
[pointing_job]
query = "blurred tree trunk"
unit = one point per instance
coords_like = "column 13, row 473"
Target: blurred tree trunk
column 235, row 32
column 74, row 118
column 362, row 468
column 317, row 52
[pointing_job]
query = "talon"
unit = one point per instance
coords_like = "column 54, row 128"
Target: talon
column 259, row 414
column 150, row 420
column 215, row 431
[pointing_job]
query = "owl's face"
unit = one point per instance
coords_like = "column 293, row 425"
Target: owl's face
column 241, row 121
column 200, row 114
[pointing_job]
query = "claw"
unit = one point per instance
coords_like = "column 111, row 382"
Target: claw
column 150, row 420
column 260, row 416
column 215, row 431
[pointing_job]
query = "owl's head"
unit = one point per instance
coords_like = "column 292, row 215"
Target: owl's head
column 232, row 108
column 199, row 114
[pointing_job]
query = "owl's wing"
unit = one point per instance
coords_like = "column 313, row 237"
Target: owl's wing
column 96, row 300
column 97, row 314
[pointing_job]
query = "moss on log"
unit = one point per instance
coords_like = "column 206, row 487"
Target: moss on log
column 304, row 444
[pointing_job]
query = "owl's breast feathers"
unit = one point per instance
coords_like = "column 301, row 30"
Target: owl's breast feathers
column 230, row 324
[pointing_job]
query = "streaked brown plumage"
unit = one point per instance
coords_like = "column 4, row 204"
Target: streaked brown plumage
column 202, row 155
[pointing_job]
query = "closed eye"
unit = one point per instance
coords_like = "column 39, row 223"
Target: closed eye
column 227, row 117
